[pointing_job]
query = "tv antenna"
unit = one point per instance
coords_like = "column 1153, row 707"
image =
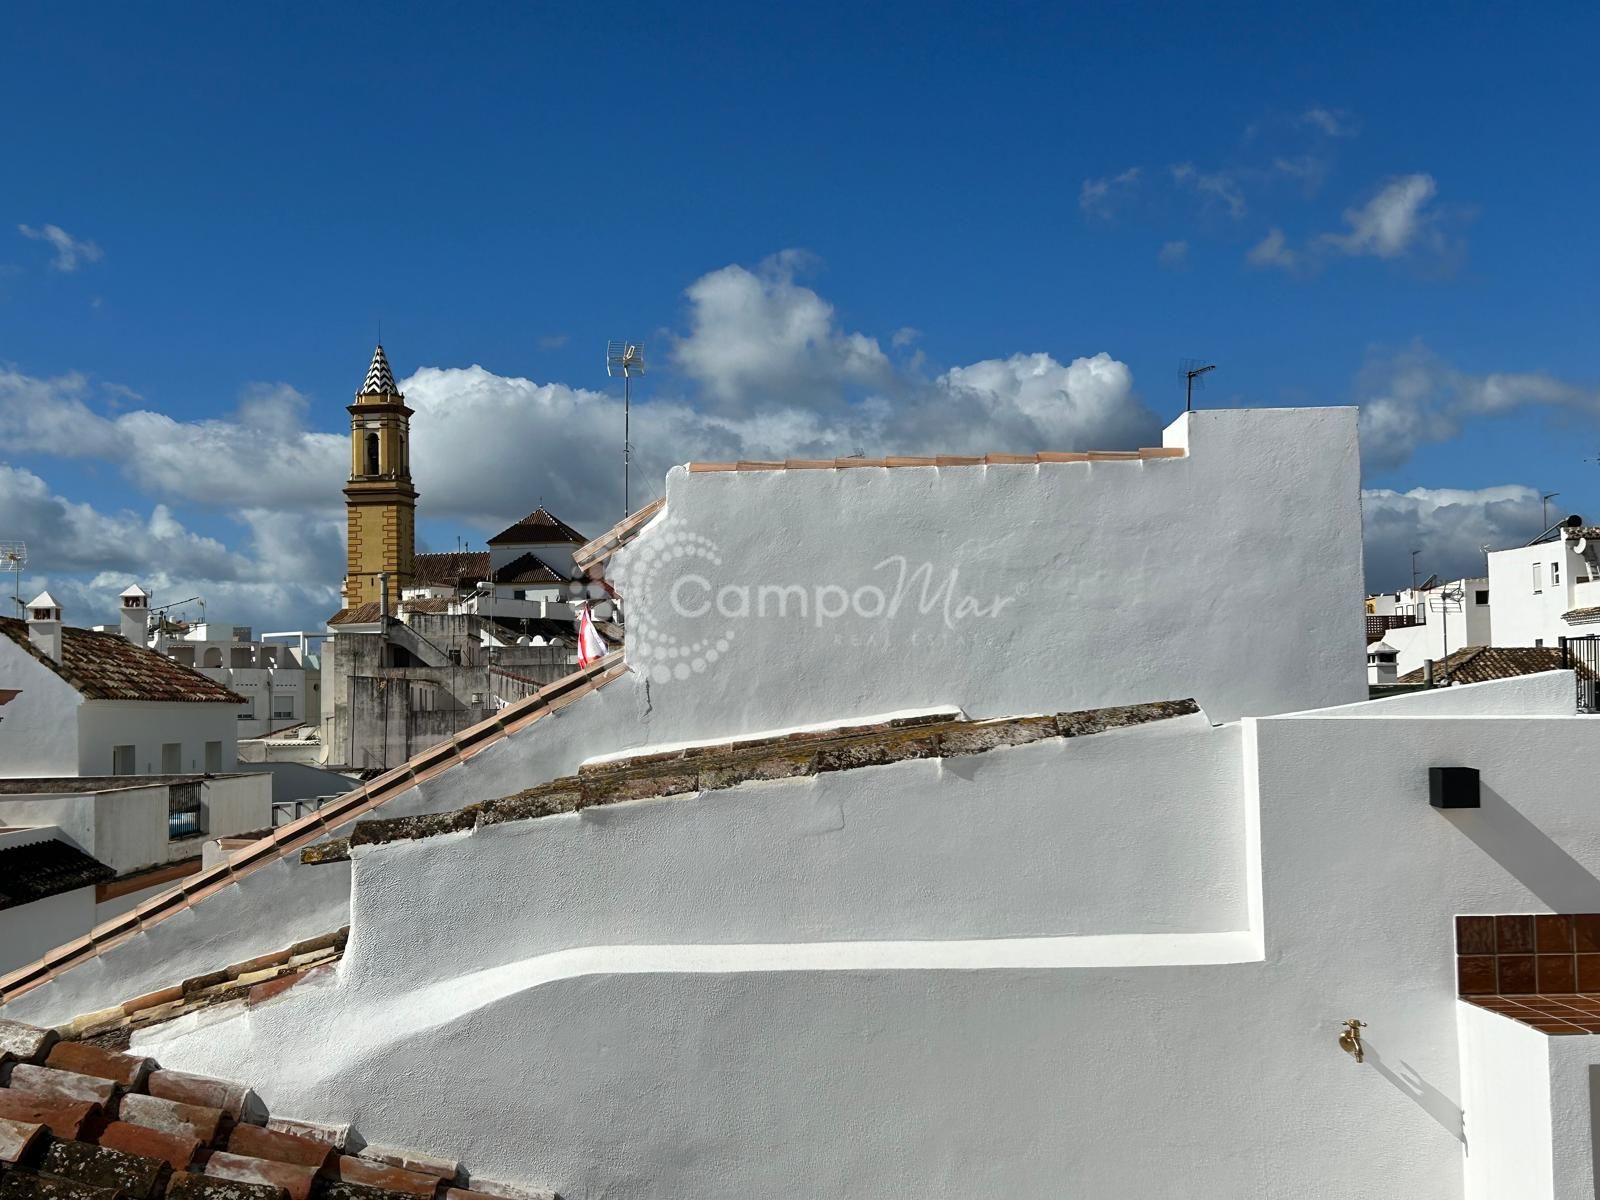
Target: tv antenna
column 626, row 359
column 1193, row 369
column 13, row 557
column 1546, row 497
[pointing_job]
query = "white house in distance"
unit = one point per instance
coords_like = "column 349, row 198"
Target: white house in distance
column 1548, row 590
column 119, row 754
column 922, row 842
column 1424, row 623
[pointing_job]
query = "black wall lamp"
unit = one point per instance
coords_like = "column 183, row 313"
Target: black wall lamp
column 1453, row 787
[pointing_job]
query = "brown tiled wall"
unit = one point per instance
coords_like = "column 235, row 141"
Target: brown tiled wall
column 1523, row 954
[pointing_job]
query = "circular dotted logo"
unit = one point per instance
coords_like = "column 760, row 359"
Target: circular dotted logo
column 648, row 578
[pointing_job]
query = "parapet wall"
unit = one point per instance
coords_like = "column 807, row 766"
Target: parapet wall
column 1228, row 569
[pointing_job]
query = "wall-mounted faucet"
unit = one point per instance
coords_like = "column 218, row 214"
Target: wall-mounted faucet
column 1350, row 1039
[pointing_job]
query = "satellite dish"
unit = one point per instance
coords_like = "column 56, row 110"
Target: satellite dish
column 1581, row 545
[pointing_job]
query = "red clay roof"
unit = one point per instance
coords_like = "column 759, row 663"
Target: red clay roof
column 541, row 527
column 83, row 1118
column 528, row 568
column 453, row 569
column 1478, row 664
column 44, row 868
column 106, row 666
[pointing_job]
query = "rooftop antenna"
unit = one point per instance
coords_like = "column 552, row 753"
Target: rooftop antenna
column 1193, row 369
column 13, row 557
column 1414, row 554
column 626, row 359
column 1546, row 497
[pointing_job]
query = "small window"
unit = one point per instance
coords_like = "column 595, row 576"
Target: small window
column 213, row 757
column 171, row 758
column 519, row 594
column 1555, row 574
column 372, row 454
column 282, row 710
column 122, row 760
column 1538, row 577
column 1538, row 641
column 1481, row 596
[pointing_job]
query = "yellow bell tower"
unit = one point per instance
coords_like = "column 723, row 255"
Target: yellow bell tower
column 380, row 503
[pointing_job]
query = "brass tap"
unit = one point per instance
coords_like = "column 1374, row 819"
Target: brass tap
column 1350, row 1039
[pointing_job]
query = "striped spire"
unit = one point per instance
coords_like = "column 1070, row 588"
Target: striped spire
column 380, row 379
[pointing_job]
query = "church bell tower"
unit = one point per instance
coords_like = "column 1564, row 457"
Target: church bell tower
column 380, row 503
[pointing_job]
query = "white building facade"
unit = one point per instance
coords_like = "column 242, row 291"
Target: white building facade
column 1429, row 623
column 1548, row 590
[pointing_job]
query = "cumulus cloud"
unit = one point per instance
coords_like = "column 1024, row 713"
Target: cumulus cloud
column 1102, row 197
column 1388, row 224
column 71, row 252
column 1450, row 526
column 1410, row 397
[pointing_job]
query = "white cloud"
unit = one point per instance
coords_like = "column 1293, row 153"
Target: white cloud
column 1219, row 186
column 758, row 336
column 905, row 336
column 71, row 252
column 1448, row 525
column 1273, row 251
column 1387, row 225
column 1174, row 256
column 1308, row 170
column 1331, row 122
column 1410, row 397
column 1101, row 197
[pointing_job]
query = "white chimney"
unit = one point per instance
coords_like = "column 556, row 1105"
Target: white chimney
column 136, row 615
column 44, row 626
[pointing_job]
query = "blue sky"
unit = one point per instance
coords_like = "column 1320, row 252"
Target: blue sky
column 834, row 226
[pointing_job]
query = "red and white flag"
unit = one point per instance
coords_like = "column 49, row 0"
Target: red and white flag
column 591, row 646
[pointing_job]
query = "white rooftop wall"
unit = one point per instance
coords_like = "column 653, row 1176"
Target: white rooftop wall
column 1068, row 1063
column 1232, row 575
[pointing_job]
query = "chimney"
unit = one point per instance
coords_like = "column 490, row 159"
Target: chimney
column 1427, row 672
column 136, row 615
column 44, row 626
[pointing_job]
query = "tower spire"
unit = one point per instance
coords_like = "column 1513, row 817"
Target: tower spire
column 380, row 379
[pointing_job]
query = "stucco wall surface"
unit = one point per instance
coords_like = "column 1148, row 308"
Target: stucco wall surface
column 1547, row 694
column 1505, row 1081
column 843, row 1074
column 28, row 930
column 1066, row 586
column 148, row 726
column 39, row 726
column 1030, row 841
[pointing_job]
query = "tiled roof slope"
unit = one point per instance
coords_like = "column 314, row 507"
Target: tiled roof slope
column 36, row 870
column 293, row 837
column 785, row 756
column 528, row 568
column 453, row 569
column 1479, row 664
column 540, row 527
column 380, row 379
column 619, row 535
column 79, row 1121
column 106, row 666
column 1581, row 614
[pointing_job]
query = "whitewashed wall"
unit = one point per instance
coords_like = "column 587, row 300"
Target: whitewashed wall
column 39, row 727
column 881, row 1068
column 29, row 930
column 148, row 726
column 1118, row 582
column 1525, row 615
column 1505, row 1080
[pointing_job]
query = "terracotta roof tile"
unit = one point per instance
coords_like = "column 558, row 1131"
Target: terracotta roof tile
column 361, row 614
column 528, row 568
column 1581, row 614
column 1479, row 664
column 540, row 527
column 452, row 569
column 143, row 1147
column 106, row 666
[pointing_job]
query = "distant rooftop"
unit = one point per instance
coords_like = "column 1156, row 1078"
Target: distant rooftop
column 106, row 666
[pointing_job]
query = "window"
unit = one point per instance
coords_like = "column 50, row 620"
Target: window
column 1481, row 596
column 122, row 760
column 1538, row 577
column 519, row 594
column 283, row 708
column 171, row 758
column 372, row 454
column 183, row 811
column 1538, row 641
column 1555, row 574
column 213, row 757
